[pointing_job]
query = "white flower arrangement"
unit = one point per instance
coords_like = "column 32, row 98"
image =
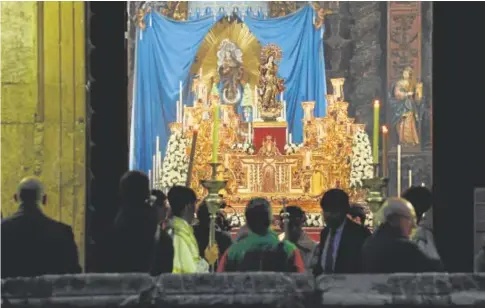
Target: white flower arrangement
column 244, row 147
column 292, row 148
column 236, row 220
column 176, row 163
column 361, row 163
column 314, row 220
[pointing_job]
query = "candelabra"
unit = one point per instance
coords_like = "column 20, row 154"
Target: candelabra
column 375, row 196
column 213, row 201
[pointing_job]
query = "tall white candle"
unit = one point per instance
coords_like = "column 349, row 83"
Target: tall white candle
column 150, row 181
column 182, row 107
column 250, row 133
column 398, row 170
column 281, row 96
column 178, row 112
column 289, row 138
column 180, row 92
column 157, row 167
column 255, row 103
column 154, row 166
column 410, row 177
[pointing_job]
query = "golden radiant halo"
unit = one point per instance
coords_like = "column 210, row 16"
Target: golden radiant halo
column 271, row 50
column 240, row 35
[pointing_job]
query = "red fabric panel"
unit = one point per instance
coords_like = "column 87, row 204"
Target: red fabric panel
column 278, row 134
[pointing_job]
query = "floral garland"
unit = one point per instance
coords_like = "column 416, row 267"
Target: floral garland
column 237, row 220
column 361, row 159
column 176, row 163
column 292, row 148
column 243, row 147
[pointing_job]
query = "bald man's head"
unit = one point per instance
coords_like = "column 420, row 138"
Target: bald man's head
column 30, row 192
column 400, row 213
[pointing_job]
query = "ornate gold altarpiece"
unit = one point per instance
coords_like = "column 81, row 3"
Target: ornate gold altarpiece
column 322, row 163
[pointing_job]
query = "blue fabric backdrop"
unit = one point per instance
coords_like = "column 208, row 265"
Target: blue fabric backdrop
column 302, row 66
column 164, row 54
column 167, row 50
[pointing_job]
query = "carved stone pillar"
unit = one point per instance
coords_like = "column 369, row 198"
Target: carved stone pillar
column 365, row 70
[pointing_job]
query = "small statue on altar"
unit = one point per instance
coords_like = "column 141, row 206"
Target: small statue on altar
column 270, row 85
column 405, row 101
column 230, row 68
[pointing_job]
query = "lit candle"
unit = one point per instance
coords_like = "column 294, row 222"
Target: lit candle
column 410, row 177
column 384, row 151
column 376, row 132
column 398, row 170
column 215, row 133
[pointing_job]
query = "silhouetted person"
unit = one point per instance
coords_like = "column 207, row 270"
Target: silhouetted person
column 297, row 235
column 389, row 249
column 261, row 250
column 160, row 203
column 341, row 241
column 130, row 245
column 184, row 250
column 421, row 199
column 32, row 243
column 201, row 232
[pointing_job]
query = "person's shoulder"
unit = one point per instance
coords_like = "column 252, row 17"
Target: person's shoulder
column 357, row 228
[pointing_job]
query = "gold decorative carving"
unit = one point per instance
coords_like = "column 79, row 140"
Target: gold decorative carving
column 321, row 13
column 281, row 8
column 176, row 10
column 239, row 34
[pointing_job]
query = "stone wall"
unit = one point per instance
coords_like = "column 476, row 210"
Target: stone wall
column 237, row 290
column 43, row 109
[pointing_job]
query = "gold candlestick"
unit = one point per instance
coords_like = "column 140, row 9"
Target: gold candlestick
column 213, row 201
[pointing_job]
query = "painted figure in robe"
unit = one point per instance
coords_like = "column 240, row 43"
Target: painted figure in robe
column 230, row 68
column 406, row 108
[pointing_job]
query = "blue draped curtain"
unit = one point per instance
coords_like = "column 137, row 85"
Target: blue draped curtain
column 302, row 66
column 166, row 50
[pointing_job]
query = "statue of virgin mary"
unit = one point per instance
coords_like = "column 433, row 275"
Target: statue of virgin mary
column 230, row 68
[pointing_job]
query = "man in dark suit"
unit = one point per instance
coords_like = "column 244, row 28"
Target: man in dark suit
column 32, row 243
column 341, row 241
column 129, row 246
column 389, row 249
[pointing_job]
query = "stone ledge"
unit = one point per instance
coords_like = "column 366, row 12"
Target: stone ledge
column 246, row 289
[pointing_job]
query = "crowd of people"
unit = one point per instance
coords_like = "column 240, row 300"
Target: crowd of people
column 153, row 233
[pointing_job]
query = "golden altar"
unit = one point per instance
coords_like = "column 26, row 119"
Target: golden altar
column 299, row 176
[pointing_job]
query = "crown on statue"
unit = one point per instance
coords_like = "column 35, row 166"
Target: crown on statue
column 271, row 50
